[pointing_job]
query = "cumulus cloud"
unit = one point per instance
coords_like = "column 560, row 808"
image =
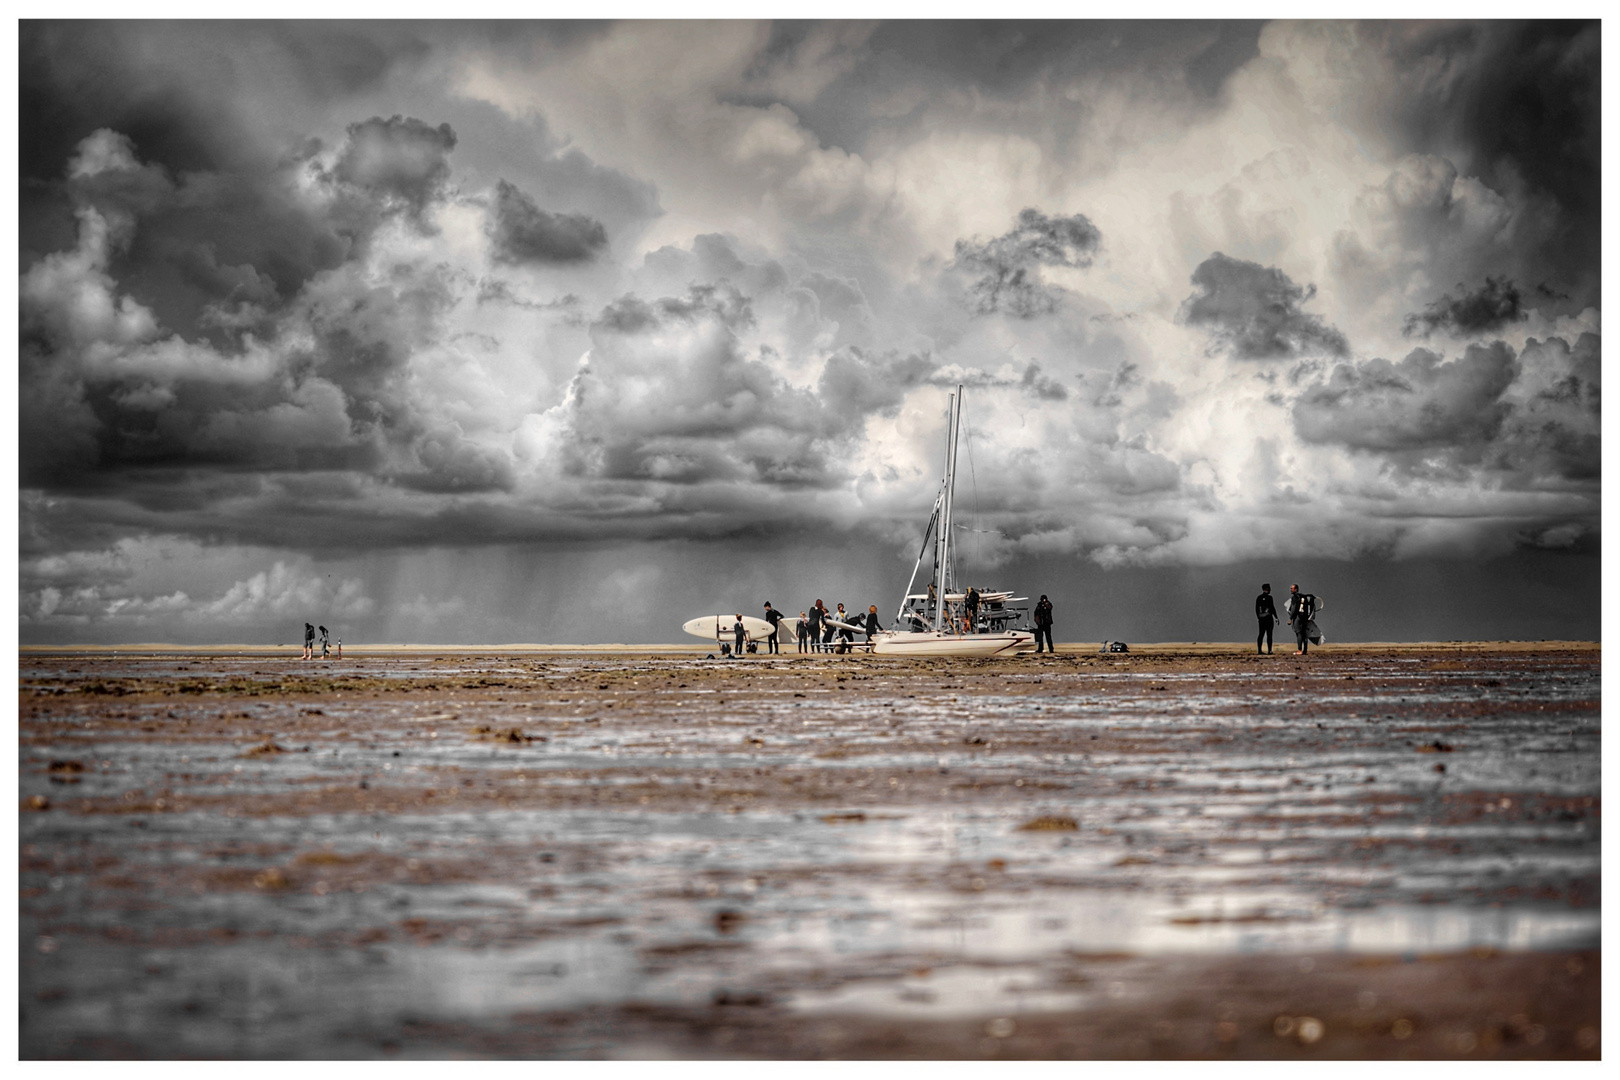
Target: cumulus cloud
column 403, row 160
column 1489, row 308
column 286, row 592
column 521, row 232
column 1005, row 269
column 674, row 283
column 1420, row 403
column 1255, row 312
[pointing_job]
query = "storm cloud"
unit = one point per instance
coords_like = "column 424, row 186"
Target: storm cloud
column 521, row 232
column 1255, row 313
column 1421, row 402
column 1486, row 309
column 423, row 324
column 1005, row 269
column 402, row 160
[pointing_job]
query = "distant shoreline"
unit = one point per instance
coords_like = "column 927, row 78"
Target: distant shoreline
column 1074, row 648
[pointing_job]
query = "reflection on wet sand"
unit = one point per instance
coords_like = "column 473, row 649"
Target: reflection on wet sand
column 628, row 855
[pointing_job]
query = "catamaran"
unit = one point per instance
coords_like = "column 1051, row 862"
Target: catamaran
column 939, row 621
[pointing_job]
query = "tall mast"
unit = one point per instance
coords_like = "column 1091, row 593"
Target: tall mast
column 945, row 511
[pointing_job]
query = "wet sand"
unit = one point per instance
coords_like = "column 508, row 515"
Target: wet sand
column 1188, row 851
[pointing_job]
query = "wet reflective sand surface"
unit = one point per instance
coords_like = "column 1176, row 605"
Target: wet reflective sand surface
column 1378, row 852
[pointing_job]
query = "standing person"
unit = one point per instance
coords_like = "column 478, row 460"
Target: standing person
column 872, row 624
column 1266, row 611
column 971, row 605
column 773, row 617
column 829, row 630
column 326, row 644
column 803, row 629
column 340, row 648
column 309, row 642
column 739, row 633
column 818, row 615
column 1300, row 610
column 1043, row 624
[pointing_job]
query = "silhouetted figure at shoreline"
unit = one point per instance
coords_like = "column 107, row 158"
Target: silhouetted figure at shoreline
column 1043, row 624
column 1266, row 611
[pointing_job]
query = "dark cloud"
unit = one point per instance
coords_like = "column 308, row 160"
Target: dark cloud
column 1556, row 431
column 1042, row 386
column 1485, row 310
column 1254, row 311
column 402, row 160
column 855, row 384
column 1531, row 421
column 521, row 232
column 1005, row 268
column 1519, row 106
column 1420, row 403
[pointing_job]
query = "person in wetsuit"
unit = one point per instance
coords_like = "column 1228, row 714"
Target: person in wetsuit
column 803, row 628
column 1266, row 611
column 773, row 617
column 872, row 624
column 739, row 633
column 1301, row 607
column 1043, row 624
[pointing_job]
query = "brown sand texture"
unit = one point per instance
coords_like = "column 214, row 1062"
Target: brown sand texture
column 1379, row 851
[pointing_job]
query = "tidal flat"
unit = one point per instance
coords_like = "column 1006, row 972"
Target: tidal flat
column 1371, row 852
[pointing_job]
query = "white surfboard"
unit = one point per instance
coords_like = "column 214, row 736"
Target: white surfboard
column 719, row 628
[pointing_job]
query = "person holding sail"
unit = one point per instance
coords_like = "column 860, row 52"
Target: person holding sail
column 1301, row 607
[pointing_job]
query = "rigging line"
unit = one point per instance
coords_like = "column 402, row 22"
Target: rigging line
column 974, row 478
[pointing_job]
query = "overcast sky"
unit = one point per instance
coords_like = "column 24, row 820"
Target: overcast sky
column 539, row 332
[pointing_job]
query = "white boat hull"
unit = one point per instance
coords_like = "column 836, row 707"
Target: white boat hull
column 942, row 643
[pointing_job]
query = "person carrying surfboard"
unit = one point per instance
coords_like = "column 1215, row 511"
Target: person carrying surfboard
column 1301, row 606
column 773, row 617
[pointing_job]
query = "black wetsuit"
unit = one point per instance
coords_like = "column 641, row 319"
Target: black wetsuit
column 816, row 616
column 971, row 610
column 773, row 617
column 1266, row 611
column 1301, row 606
column 872, row 625
column 803, row 628
column 1043, row 625
column 738, row 631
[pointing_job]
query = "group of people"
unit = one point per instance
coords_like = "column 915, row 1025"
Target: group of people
column 326, row 643
column 818, row 628
column 1301, row 609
